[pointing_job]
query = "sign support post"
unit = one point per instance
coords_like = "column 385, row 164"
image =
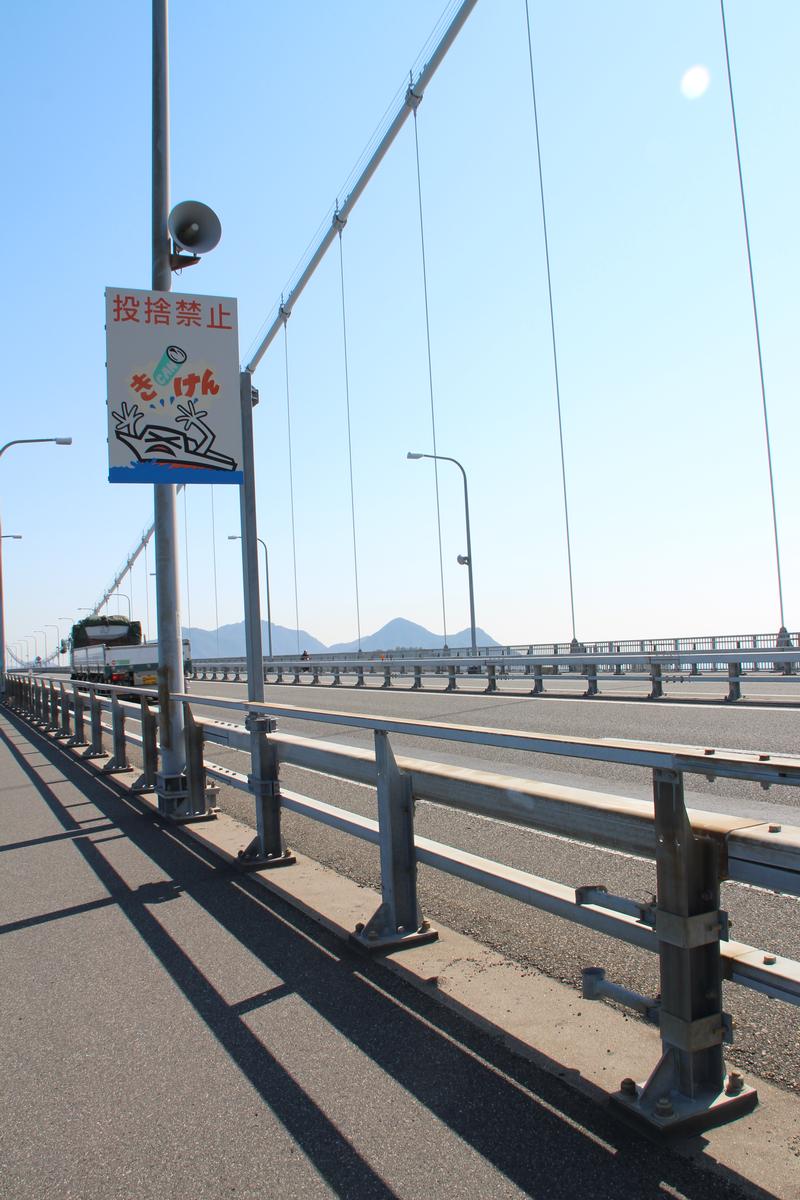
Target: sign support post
column 171, row 780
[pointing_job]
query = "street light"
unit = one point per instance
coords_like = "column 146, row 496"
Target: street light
column 59, row 441
column 44, row 635
column 124, row 597
column 237, row 537
column 57, row 651
column 464, row 559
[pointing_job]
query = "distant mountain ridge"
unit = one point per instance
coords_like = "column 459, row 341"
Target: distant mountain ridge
column 398, row 634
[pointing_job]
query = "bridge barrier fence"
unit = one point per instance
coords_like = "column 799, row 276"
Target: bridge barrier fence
column 694, row 851
column 654, row 670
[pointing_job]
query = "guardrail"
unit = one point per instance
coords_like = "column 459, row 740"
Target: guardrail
column 653, row 670
column 693, row 850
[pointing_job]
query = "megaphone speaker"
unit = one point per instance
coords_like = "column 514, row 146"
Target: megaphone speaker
column 194, row 227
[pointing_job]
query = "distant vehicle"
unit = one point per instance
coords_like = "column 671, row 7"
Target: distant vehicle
column 111, row 650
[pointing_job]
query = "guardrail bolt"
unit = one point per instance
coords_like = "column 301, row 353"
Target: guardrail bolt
column 775, row 828
column 734, row 1084
column 770, row 959
column 628, row 1087
column 663, row 1107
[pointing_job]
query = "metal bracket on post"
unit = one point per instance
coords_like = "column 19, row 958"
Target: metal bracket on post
column 118, row 763
column 397, row 922
column 657, row 687
column 491, row 678
column 387, row 677
column 147, row 780
column 78, row 737
column 734, row 682
column 360, row 677
column 65, row 721
column 538, row 680
column 688, row 1089
column 267, row 849
column 591, row 680
column 96, row 748
column 417, row 684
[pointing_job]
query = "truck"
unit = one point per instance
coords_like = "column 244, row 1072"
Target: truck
column 111, row 650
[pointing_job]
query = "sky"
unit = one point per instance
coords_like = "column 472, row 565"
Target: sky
column 271, row 106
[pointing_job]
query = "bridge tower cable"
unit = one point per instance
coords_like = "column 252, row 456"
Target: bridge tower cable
column 349, row 432
column 291, row 474
column 415, row 99
column 552, row 320
column 782, row 632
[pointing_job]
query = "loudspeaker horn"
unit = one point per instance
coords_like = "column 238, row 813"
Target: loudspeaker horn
column 194, row 227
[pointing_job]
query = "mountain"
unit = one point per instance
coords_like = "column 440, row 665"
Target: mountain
column 231, row 641
column 400, row 634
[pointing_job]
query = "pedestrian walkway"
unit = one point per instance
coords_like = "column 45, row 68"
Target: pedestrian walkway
column 172, row 1031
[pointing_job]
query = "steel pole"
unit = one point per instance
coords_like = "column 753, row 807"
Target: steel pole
column 2, row 627
column 469, row 563
column 170, row 648
column 269, row 606
column 249, row 538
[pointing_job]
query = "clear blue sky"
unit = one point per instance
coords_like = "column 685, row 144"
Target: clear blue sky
column 271, row 106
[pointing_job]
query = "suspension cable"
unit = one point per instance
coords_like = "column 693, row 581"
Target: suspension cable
column 430, row 373
column 291, row 480
column 349, row 438
column 552, row 320
column 755, row 314
column 214, row 561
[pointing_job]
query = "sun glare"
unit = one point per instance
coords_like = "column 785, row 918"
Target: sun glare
column 695, row 81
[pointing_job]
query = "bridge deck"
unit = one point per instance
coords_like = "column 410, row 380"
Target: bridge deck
column 171, row 1030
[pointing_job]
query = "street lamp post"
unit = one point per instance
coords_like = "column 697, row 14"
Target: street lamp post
column 237, row 537
column 56, row 649
column 465, row 560
column 124, row 597
column 59, row 441
column 44, row 636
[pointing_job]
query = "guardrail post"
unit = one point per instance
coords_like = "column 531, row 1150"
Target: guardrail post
column 387, row 677
column 78, row 736
column 337, row 678
column 236, row 675
column 52, row 722
column 491, row 678
column 657, row 686
column 147, row 780
column 538, row 680
column 417, row 684
column 296, row 674
column 267, row 849
column 734, row 682
column 118, row 762
column 452, row 683
column 591, row 680
column 225, row 673
column 687, row 1090
column 96, row 748
column 65, row 721
column 360, row 677
column 397, row 922
column 279, row 677
column 315, row 676
column 197, row 802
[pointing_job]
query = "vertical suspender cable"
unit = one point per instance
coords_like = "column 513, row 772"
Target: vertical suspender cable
column 755, row 315
column 349, row 439
column 291, row 481
column 214, row 560
column 552, row 320
column 186, row 555
column 430, row 373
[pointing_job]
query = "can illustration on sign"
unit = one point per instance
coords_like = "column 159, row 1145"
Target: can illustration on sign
column 173, row 388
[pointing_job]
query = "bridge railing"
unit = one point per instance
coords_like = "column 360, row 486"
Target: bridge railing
column 693, row 850
column 653, row 669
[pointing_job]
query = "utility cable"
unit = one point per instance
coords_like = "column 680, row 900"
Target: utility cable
column 755, row 313
column 291, row 480
column 552, row 321
column 349, row 438
column 430, row 374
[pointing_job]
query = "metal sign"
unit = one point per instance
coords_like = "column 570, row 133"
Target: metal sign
column 174, row 414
